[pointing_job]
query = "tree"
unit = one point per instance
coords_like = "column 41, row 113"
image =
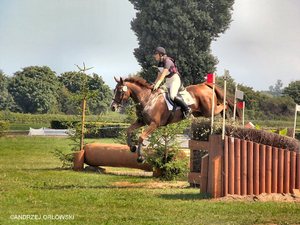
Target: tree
column 99, row 100
column 35, row 89
column 293, row 90
column 185, row 28
column 6, row 100
column 276, row 90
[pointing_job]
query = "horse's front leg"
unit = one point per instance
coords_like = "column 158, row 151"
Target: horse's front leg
column 137, row 124
column 152, row 127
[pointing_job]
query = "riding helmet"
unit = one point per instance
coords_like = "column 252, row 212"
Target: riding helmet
column 160, row 50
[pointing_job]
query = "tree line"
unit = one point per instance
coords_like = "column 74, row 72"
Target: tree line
column 37, row 89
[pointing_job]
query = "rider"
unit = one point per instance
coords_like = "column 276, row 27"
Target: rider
column 168, row 70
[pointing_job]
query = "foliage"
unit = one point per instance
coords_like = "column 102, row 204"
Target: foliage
column 276, row 90
column 258, row 136
column 185, row 28
column 163, row 151
column 99, row 94
column 35, row 89
column 6, row 100
column 4, row 126
column 293, row 90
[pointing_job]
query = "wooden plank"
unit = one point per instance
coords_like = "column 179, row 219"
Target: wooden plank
column 244, row 167
column 237, row 171
column 204, row 174
column 231, row 166
column 269, row 170
column 198, row 145
column 274, row 170
column 262, row 169
column 215, row 166
column 250, row 168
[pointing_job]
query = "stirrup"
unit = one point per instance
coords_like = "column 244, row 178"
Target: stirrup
column 187, row 113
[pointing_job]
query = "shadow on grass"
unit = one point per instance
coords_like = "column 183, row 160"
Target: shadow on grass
column 187, row 196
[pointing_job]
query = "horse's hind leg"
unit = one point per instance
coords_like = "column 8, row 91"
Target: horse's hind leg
column 152, row 127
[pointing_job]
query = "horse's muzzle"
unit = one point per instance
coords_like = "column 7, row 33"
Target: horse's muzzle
column 114, row 107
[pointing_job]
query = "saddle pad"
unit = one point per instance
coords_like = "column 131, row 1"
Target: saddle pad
column 186, row 96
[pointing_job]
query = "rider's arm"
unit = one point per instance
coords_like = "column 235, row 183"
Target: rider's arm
column 161, row 76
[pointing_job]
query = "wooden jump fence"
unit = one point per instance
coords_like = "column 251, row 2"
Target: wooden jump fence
column 241, row 167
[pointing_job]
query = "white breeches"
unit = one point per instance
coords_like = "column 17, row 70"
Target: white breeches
column 173, row 84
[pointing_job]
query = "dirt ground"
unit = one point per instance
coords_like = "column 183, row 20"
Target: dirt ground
column 183, row 184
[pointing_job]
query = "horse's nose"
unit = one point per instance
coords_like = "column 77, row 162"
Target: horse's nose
column 113, row 108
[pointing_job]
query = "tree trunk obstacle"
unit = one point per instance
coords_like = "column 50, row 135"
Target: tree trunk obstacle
column 241, row 167
column 113, row 155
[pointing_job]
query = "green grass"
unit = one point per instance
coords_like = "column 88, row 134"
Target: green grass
column 31, row 182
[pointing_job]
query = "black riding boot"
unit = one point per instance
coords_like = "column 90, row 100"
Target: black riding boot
column 185, row 108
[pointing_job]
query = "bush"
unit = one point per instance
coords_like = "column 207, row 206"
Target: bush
column 163, row 152
column 4, row 125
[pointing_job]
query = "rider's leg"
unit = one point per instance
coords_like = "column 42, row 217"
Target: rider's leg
column 174, row 84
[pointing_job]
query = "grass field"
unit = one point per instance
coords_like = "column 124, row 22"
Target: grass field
column 31, row 183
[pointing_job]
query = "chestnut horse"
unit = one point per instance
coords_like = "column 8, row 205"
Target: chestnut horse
column 152, row 110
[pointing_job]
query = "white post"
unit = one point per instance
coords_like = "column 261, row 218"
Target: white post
column 243, row 113
column 213, row 106
column 224, row 104
column 234, row 107
column 295, row 122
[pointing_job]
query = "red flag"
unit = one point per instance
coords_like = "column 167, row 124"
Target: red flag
column 210, row 78
column 240, row 105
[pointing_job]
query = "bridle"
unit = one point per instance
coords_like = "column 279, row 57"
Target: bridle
column 124, row 89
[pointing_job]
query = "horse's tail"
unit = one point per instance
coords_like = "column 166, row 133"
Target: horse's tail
column 220, row 97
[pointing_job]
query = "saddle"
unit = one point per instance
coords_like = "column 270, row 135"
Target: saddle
column 183, row 93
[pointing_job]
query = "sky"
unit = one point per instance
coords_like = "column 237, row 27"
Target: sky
column 261, row 46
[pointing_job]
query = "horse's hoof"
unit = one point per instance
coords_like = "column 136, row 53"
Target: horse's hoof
column 141, row 159
column 133, row 148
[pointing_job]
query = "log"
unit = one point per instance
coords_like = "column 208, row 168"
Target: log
column 114, row 155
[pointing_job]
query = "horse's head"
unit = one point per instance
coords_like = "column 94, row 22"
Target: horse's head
column 122, row 94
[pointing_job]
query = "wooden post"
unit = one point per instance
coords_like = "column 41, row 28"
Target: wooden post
column 213, row 105
column 82, row 123
column 269, row 169
column 234, row 107
column 231, row 166
column 256, row 169
column 244, row 162
column 250, row 168
column 293, row 171
column 262, row 169
column 225, row 166
column 237, row 171
column 287, row 167
column 215, row 166
column 295, row 120
column 298, row 170
column 280, row 170
column 274, row 170
column 204, row 174
column 224, row 103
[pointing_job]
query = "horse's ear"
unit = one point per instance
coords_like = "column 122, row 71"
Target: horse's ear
column 121, row 80
column 118, row 81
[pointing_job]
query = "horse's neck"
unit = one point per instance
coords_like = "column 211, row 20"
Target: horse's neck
column 139, row 94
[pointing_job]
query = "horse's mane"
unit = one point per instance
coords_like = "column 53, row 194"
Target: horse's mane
column 139, row 81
